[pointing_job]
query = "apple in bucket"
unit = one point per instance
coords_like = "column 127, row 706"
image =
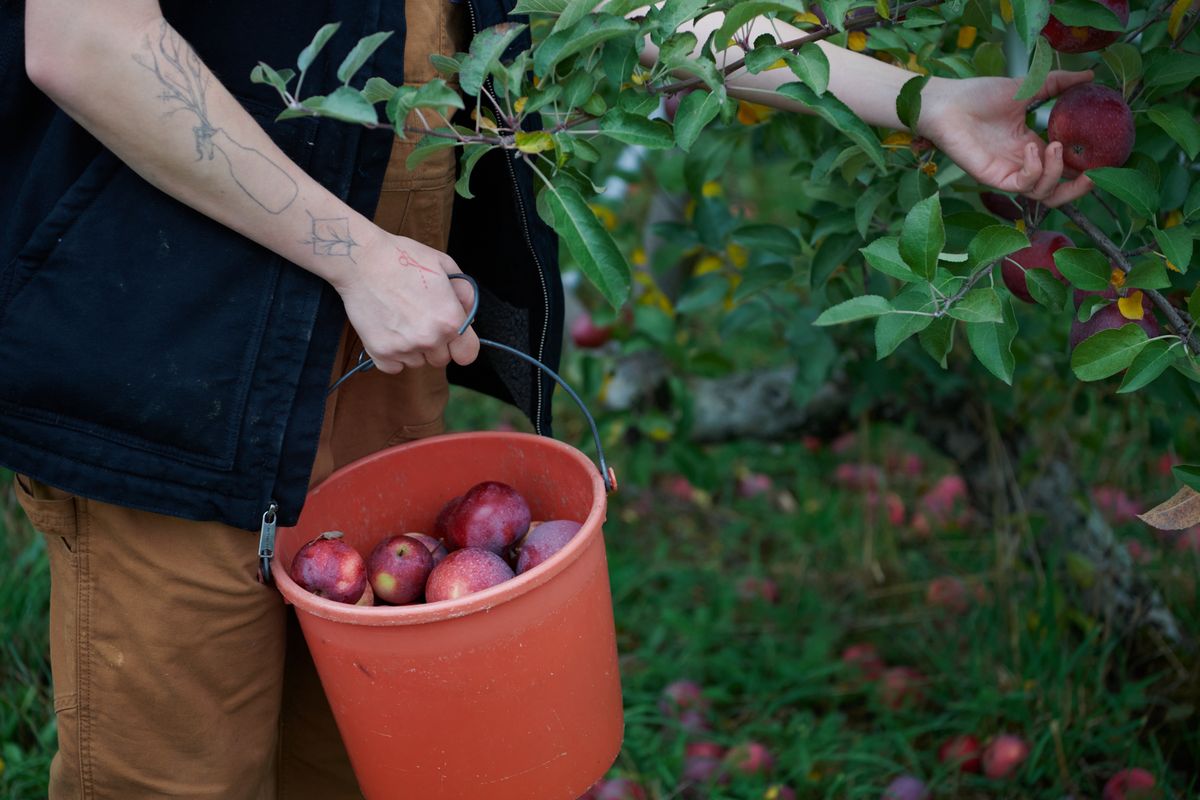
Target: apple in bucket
column 466, row 571
column 490, row 516
column 330, row 568
column 397, row 569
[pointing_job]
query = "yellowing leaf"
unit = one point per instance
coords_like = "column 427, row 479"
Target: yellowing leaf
column 708, row 264
column 1131, row 306
column 929, row 168
column 603, row 213
column 1006, row 11
column 651, row 295
column 1019, row 225
column 1177, row 11
column 857, row 41
column 966, row 36
column 1172, row 267
column 638, row 257
column 807, row 17
column 897, row 139
column 689, row 210
column 519, row 105
column 535, row 142
column 1117, row 277
column 1180, row 512
column 711, row 189
column 738, row 255
column 913, row 66
column 1173, row 218
column 752, row 113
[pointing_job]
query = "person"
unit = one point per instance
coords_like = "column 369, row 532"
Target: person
column 184, row 279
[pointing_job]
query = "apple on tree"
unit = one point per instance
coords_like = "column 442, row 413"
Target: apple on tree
column 1094, row 125
column 1038, row 255
column 1116, row 314
column 1084, row 38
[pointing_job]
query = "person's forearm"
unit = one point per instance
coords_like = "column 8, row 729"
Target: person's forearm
column 865, row 84
column 129, row 78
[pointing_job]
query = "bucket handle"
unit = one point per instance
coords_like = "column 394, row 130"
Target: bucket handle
column 610, row 477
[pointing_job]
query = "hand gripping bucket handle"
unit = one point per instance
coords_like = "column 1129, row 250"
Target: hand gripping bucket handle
column 365, row 363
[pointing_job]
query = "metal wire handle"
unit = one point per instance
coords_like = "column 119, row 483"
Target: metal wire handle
column 365, row 362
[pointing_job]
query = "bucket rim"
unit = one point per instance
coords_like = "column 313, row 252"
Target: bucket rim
column 424, row 613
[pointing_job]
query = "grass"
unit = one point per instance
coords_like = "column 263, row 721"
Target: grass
column 1018, row 660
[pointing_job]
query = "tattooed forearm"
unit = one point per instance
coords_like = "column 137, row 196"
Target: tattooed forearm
column 330, row 236
column 185, row 83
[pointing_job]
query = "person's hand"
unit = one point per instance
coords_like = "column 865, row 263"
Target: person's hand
column 982, row 128
column 404, row 307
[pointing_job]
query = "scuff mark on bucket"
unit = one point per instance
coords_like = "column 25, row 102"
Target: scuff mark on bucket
column 365, row 671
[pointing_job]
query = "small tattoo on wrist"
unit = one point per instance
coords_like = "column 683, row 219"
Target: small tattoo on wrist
column 330, row 236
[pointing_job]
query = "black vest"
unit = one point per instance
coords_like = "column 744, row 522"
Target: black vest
column 152, row 358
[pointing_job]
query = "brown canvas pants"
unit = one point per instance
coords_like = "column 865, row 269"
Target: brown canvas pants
column 177, row 674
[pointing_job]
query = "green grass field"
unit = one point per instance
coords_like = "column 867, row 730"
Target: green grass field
column 1016, row 660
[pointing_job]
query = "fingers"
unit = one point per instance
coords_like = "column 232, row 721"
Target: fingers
column 465, row 348
column 1052, row 167
column 1069, row 192
column 1024, row 181
column 1059, row 81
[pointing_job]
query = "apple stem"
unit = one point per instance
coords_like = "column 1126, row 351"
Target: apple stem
column 1181, row 326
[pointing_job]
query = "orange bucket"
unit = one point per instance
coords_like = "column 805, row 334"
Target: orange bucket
column 512, row 693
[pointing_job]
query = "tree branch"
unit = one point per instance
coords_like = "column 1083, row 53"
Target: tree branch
column 1110, row 249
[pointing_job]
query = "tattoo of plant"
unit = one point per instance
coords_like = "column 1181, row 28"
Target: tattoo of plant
column 330, row 236
column 185, row 82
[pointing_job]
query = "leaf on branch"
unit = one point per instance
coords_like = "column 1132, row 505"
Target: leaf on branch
column 309, row 54
column 471, row 155
column 992, row 343
column 1039, row 68
column 1086, row 14
column 587, row 33
column 380, row 90
column 938, row 340
column 1189, row 475
column 1047, row 290
column 696, row 110
column 1084, row 267
column 633, row 129
column 853, row 310
column 1179, row 125
column 1153, row 361
column 486, row 49
column 427, row 146
column 1131, row 186
column 995, row 242
column 1179, row 513
column 893, row 329
column 908, row 102
column 344, row 104
column 978, row 305
column 589, row 243
column 1176, row 244
column 923, row 236
column 839, row 115
column 1029, row 17
column 884, row 256
column 1108, row 352
column 358, row 56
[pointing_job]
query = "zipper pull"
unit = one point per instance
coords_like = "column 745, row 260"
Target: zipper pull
column 266, row 543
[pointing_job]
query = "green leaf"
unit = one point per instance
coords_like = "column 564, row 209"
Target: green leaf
column 1188, row 475
column 831, row 254
column 358, row 56
column 673, row 13
column 1029, row 17
column 893, row 329
column 773, row 238
column 1106, row 353
column 1124, row 60
column 1153, row 361
column 589, row 243
column 864, row 209
column 1039, row 68
column 486, row 49
column 923, row 236
column 573, row 11
column 344, row 104
column 908, row 102
column 1172, row 68
column 810, row 65
column 992, row 343
column 995, row 242
column 539, row 7
column 1046, row 289
column 471, row 155
column 379, row 90
column 427, row 146
column 856, row 308
column 1131, row 186
column 938, row 339
column 1179, row 125
column 884, row 255
column 839, row 115
column 742, row 12
column 989, row 59
column 1084, row 267
column 696, row 110
column 704, row 292
column 1086, row 13
column 762, row 276
column 1089, row 305
column 633, row 129
column 978, row 305
column 309, row 54
column 677, row 48
column 277, row 79
column 437, row 94
column 533, row 141
column 1148, row 273
column 586, row 34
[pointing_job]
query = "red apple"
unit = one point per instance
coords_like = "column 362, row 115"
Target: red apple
column 397, row 569
column 901, row 686
column 750, row 758
column 754, row 587
column 682, row 695
column 1109, row 317
column 1038, row 255
column 544, row 541
column 587, row 335
column 864, row 659
column 491, row 516
column 464, row 572
column 439, row 524
column 945, row 504
column 1083, row 39
column 368, row 597
column 1004, row 755
column 620, row 789
column 1130, row 784
column 753, row 484
column 436, row 547
column 906, row 787
column 858, row 477
column 1001, row 205
column 330, row 568
column 703, row 763
column 890, row 502
column 1095, row 126
column 961, row 751
column 947, row 593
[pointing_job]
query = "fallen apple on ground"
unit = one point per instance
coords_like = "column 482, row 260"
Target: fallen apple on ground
column 1004, row 755
column 906, row 787
column 1130, row 784
column 328, row 567
column 962, row 751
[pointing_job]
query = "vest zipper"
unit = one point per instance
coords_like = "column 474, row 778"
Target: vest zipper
column 266, row 541
column 508, row 159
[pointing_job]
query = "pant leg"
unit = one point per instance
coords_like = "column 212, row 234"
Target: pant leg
column 167, row 654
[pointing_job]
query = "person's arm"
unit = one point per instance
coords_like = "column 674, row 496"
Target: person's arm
column 974, row 121
column 123, row 73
